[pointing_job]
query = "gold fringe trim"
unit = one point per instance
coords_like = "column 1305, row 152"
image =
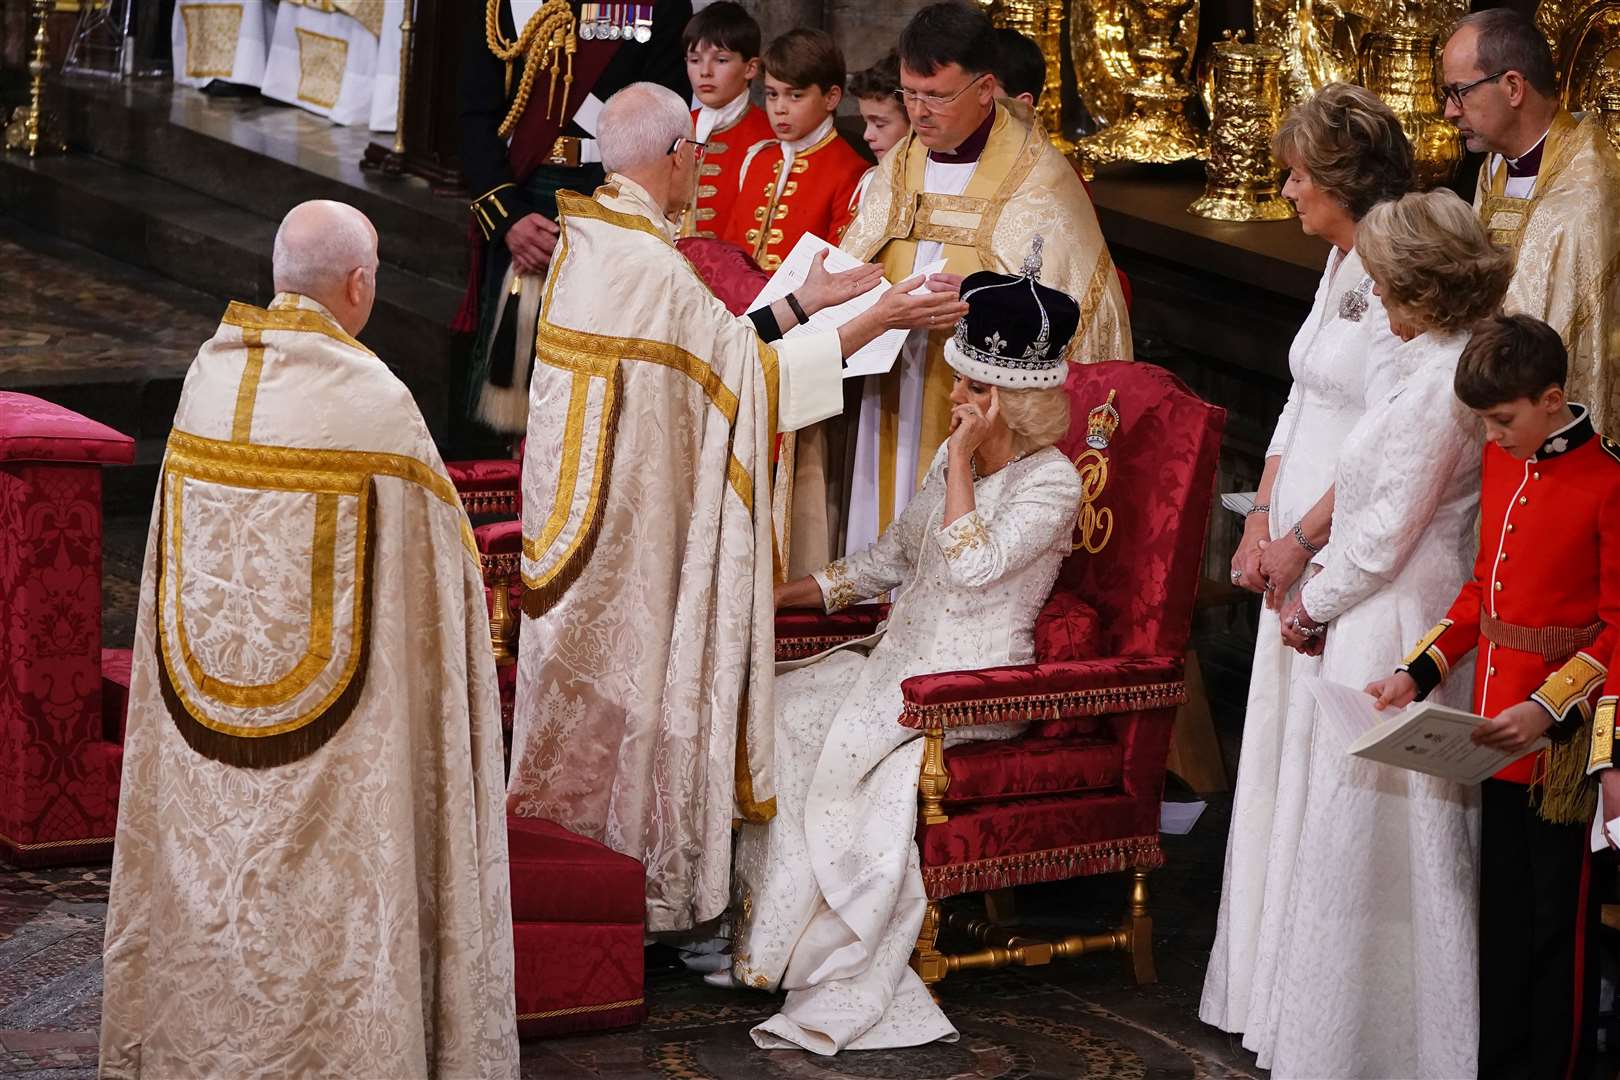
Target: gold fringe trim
column 539, row 600
column 490, row 502
column 1560, row 790
column 1066, row 704
column 578, row 1009
column 289, row 746
column 1034, row 867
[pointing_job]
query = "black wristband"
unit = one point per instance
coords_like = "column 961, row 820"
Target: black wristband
column 798, row 312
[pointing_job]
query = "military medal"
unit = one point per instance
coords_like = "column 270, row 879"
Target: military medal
column 602, row 22
column 587, row 22
column 614, row 31
column 644, row 23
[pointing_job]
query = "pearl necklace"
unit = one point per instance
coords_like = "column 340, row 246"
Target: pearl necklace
column 973, row 464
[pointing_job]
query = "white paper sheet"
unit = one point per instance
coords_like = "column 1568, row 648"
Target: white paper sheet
column 1423, row 737
column 1178, row 818
column 877, row 356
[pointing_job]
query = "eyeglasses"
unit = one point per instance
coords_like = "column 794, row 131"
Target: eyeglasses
column 698, row 148
column 1454, row 92
column 933, row 101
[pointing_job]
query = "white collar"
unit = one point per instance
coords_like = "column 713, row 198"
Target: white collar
column 712, row 120
column 791, row 147
column 640, row 203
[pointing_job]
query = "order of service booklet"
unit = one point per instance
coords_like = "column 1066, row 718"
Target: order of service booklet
column 1423, row 737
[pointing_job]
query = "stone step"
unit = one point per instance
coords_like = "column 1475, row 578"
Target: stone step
column 223, row 250
column 264, row 158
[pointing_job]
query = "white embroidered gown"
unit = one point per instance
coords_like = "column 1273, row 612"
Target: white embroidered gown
column 1342, row 359
column 1377, row 967
column 830, row 892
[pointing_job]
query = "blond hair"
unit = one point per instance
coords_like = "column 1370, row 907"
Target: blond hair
column 1350, row 143
column 1036, row 416
column 1433, row 260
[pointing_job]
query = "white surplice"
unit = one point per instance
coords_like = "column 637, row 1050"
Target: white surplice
column 1342, row 360
column 830, row 892
column 1378, row 963
column 939, row 178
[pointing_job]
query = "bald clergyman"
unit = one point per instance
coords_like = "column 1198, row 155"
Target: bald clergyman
column 310, row 875
column 646, row 660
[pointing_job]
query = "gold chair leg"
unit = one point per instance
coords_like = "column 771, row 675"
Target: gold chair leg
column 934, row 780
column 500, row 623
column 926, row 959
column 1138, row 930
column 999, row 907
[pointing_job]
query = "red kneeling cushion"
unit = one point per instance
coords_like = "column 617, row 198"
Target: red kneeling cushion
column 1067, row 629
column 729, row 271
column 32, row 429
column 558, row 876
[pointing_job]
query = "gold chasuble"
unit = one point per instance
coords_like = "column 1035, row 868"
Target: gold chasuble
column 645, row 667
column 1021, row 188
column 1565, row 239
column 310, row 875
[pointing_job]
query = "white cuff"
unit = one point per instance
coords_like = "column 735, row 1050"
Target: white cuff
column 810, row 379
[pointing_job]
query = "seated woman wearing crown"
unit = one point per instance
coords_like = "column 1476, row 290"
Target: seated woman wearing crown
column 830, row 894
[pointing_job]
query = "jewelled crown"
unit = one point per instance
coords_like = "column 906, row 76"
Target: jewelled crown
column 1016, row 330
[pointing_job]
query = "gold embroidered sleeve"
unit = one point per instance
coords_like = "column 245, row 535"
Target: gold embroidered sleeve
column 963, row 535
column 838, row 590
column 496, row 210
column 1601, row 755
column 1427, row 663
column 1566, row 691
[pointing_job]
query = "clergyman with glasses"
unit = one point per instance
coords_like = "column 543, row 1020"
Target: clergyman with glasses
column 974, row 182
column 1549, row 191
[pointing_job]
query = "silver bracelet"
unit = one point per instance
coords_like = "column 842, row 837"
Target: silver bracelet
column 1299, row 538
column 1258, row 508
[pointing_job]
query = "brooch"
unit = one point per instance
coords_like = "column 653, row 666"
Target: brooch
column 1353, row 304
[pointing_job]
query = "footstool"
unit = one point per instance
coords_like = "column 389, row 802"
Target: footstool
column 577, row 914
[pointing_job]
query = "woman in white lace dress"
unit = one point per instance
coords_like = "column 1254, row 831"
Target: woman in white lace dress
column 1345, row 151
column 1377, row 971
column 830, row 893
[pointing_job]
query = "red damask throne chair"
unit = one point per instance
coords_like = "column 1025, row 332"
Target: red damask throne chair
column 1078, row 793
column 62, row 696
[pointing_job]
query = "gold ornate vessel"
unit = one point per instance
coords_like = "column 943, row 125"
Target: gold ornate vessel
column 1042, row 22
column 1241, row 174
column 1155, row 127
column 1324, row 41
column 1585, row 40
column 1100, row 45
column 1608, row 107
column 1401, row 65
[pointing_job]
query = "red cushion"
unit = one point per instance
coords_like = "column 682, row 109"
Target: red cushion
column 559, row 876
column 491, row 474
column 1067, row 629
column 577, row 977
column 499, row 537
column 114, row 692
column 999, row 845
column 32, row 429
column 729, row 272
column 999, row 771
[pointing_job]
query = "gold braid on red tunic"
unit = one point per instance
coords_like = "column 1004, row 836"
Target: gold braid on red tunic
column 546, row 42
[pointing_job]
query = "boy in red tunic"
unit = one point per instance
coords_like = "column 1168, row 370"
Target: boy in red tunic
column 1543, row 610
column 722, row 60
column 801, row 181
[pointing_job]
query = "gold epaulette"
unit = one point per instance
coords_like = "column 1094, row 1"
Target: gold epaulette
column 1568, row 687
column 490, row 212
column 1601, row 755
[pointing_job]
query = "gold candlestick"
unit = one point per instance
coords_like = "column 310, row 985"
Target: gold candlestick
column 1399, row 65
column 1155, row 127
column 31, row 130
column 1242, row 174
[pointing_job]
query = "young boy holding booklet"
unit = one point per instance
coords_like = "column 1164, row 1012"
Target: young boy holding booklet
column 1543, row 609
